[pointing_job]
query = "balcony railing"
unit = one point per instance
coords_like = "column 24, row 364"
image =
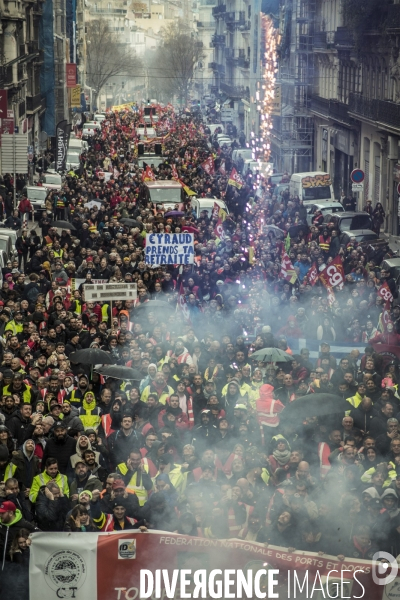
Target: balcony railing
column 218, row 40
column 343, row 38
column 219, row 10
column 393, row 17
column 382, row 111
column 6, row 75
column 33, row 103
column 230, row 17
column 233, row 91
column 205, row 24
column 333, row 109
column 320, row 40
column 212, row 66
column 244, row 62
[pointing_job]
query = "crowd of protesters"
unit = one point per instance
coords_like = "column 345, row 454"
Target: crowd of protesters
column 198, row 444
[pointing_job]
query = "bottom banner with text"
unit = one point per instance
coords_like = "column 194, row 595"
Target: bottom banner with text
column 133, row 565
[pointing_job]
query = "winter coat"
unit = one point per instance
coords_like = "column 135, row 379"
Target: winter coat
column 51, row 514
column 9, row 531
column 28, row 466
column 62, row 450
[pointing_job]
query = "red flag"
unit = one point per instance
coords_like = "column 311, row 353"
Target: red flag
column 385, row 293
column 208, row 166
column 312, row 275
column 235, row 179
column 219, row 230
column 174, row 172
column 333, row 274
column 215, row 211
column 287, row 270
column 148, row 174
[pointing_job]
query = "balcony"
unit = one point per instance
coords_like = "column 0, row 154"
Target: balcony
column 7, row 76
column 233, row 91
column 205, row 24
column 230, row 17
column 245, row 27
column 33, row 103
column 381, row 111
column 343, row 38
column 229, row 52
column 320, row 42
column 217, row 40
column 330, row 109
column 243, row 62
column 218, row 11
column 213, row 66
column 33, row 47
column 393, row 17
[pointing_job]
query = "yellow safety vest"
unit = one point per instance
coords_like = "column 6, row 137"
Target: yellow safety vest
column 104, row 313
column 134, row 485
column 43, row 479
column 9, row 472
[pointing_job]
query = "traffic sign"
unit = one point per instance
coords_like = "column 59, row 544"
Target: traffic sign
column 357, row 187
column 100, row 292
column 357, row 176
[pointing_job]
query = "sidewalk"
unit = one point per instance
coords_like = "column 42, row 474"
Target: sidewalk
column 394, row 241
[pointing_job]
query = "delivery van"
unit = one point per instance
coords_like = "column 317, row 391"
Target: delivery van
column 315, row 186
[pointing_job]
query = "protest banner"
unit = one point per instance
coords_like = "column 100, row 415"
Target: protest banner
column 121, row 565
column 169, row 248
column 333, row 274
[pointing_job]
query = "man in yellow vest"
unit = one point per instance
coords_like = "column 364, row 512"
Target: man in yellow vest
column 7, row 468
column 51, row 473
column 135, row 476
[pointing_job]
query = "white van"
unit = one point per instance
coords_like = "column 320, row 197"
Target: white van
column 200, row 204
column 37, row 196
column 265, row 169
column 315, row 186
column 80, row 145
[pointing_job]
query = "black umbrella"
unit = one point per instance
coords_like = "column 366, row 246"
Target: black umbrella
column 132, row 223
column 271, row 355
column 92, row 356
column 120, row 372
column 63, row 225
column 153, row 304
column 314, row 405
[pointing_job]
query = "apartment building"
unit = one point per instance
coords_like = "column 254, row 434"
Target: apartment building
column 339, row 78
column 20, row 64
column 237, row 60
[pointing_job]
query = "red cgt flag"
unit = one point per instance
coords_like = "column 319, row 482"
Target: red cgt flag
column 333, row 274
column 312, row 275
column 208, row 166
column 235, row 179
column 385, row 293
column 148, row 174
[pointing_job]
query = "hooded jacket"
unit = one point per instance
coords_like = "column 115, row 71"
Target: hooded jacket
column 89, row 414
column 395, row 511
column 78, row 455
column 27, row 465
column 60, row 449
column 148, row 379
column 110, row 422
column 9, row 531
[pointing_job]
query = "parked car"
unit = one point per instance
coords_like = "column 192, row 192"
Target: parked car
column 37, row 197
column 51, row 181
column 348, row 221
column 325, row 208
column 369, row 241
column 13, row 235
column 200, row 204
column 7, row 246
